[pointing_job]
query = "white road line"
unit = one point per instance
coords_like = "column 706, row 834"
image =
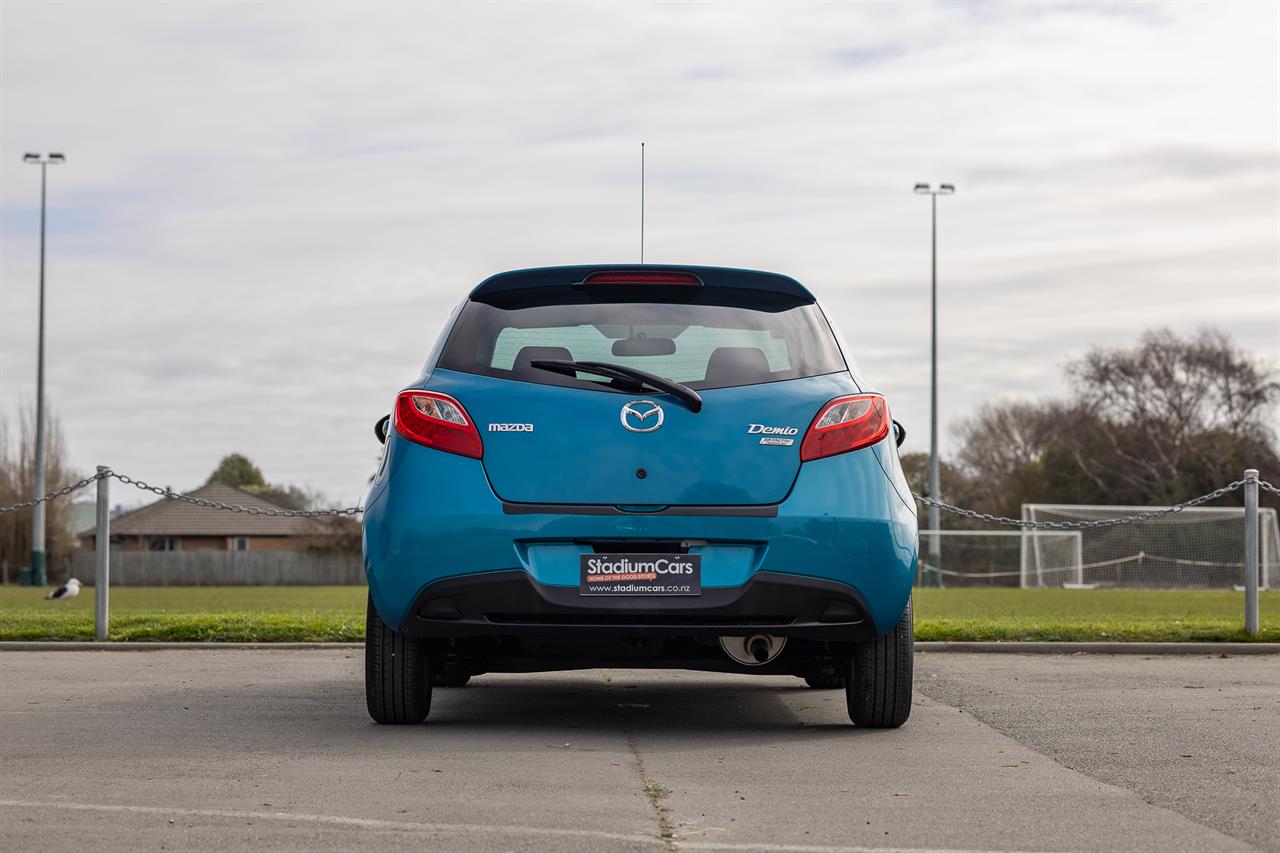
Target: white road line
column 412, row 826
column 819, row 848
column 335, row 820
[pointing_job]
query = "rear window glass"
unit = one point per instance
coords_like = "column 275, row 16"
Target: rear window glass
column 704, row 337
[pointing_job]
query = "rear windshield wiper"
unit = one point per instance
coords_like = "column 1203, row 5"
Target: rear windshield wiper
column 639, row 379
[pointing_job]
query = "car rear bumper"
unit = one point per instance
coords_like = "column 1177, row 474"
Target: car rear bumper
column 514, row 604
column 432, row 518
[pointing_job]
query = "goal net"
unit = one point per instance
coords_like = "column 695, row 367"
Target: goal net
column 1197, row 548
column 998, row 557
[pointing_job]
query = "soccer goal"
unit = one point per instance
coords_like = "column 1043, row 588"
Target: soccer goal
column 1197, row 548
column 999, row 557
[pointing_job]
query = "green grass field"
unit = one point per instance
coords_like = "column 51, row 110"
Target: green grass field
column 1090, row 614
column 224, row 614
column 336, row 613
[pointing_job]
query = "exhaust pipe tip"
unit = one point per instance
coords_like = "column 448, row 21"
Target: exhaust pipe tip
column 756, row 650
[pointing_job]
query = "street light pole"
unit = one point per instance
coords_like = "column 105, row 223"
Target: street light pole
column 37, row 518
column 934, row 576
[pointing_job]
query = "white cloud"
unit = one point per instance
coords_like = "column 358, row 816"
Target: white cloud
column 268, row 210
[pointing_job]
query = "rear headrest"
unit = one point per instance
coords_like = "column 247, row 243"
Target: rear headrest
column 737, row 366
column 528, row 354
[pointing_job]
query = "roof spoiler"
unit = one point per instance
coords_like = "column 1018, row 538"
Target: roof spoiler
column 641, row 274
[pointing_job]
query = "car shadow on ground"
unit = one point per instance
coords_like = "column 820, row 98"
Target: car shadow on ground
column 678, row 707
column 685, row 705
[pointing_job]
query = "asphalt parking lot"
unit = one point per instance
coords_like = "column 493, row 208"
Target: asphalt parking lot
column 223, row 749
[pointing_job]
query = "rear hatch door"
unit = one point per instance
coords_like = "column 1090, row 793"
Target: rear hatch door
column 754, row 345
column 557, row 445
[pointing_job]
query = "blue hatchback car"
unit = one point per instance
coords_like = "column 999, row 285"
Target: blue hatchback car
column 634, row 466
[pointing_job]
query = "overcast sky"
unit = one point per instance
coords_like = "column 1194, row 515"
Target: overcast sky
column 268, row 209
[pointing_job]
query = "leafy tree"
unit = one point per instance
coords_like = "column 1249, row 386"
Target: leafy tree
column 289, row 496
column 237, row 470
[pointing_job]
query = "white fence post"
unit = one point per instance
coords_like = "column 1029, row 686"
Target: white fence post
column 1251, row 552
column 102, row 539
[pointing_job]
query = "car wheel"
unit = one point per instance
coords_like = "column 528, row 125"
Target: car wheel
column 450, row 679
column 825, row 681
column 397, row 674
column 878, row 691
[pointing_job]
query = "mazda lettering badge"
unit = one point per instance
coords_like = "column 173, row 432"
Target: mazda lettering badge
column 637, row 416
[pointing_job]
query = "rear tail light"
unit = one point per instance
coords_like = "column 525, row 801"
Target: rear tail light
column 844, row 424
column 439, row 421
column 643, row 277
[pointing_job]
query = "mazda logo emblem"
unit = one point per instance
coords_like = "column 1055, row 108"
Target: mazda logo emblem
column 637, row 414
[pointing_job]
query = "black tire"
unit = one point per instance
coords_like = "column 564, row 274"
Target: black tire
column 450, row 679
column 825, row 681
column 397, row 674
column 878, row 692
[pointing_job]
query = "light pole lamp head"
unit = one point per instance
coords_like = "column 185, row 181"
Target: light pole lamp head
column 921, row 189
column 946, row 189
column 57, row 157
column 30, row 158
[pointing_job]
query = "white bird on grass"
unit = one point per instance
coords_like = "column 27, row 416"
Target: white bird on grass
column 70, row 589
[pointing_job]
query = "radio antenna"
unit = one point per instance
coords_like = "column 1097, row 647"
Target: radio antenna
column 642, row 202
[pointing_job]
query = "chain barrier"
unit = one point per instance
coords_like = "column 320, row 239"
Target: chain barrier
column 1082, row 525
column 945, row 507
column 248, row 510
column 178, row 496
column 66, row 490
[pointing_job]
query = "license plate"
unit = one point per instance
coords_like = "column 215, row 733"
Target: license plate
column 640, row 574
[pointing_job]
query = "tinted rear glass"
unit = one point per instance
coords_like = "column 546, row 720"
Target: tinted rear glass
column 703, row 337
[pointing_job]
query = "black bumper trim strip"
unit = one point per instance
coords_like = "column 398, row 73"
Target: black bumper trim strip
column 512, row 603
column 748, row 511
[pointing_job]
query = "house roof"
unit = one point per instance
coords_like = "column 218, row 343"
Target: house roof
column 169, row 517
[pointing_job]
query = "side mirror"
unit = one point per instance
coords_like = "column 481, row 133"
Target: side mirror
column 383, row 428
column 899, row 433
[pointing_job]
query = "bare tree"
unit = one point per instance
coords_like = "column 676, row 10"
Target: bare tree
column 1001, row 449
column 1172, row 415
column 1166, row 420
column 17, row 484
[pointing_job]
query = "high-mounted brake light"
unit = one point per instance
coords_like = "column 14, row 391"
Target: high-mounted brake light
column 643, row 277
column 438, row 421
column 845, row 424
